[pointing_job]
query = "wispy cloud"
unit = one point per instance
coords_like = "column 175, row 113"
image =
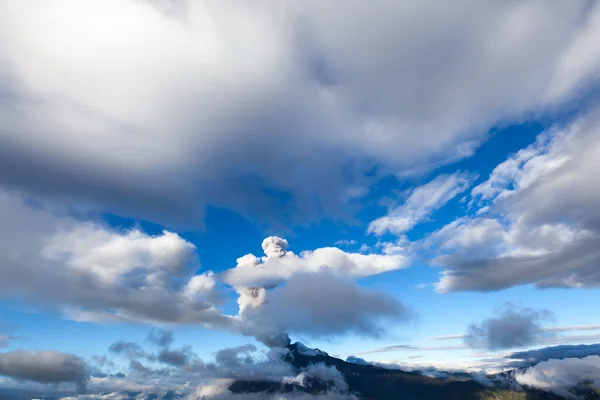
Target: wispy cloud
column 448, row 337
column 403, row 347
column 567, row 328
column 421, row 203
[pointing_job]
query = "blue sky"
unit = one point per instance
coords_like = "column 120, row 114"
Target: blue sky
column 241, row 174
column 438, row 314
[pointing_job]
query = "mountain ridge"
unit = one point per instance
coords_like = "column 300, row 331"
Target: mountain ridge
column 371, row 382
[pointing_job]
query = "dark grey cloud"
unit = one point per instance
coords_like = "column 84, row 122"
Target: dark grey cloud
column 62, row 263
column 324, row 304
column 138, row 367
column 165, row 355
column 129, row 349
column 44, row 366
column 572, row 266
column 235, row 356
column 532, row 357
column 175, row 357
column 161, row 337
column 240, row 362
column 511, row 326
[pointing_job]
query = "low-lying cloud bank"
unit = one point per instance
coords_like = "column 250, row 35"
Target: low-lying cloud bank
column 532, row 357
column 561, row 376
column 150, row 373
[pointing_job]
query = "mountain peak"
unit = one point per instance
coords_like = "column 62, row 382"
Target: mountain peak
column 300, row 348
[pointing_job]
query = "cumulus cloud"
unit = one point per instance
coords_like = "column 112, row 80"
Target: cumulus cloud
column 231, row 357
column 175, row 357
column 89, row 271
column 526, row 230
column 140, row 368
column 44, row 366
column 310, row 293
column 182, row 357
column 196, row 378
column 420, row 204
column 510, row 327
column 562, row 376
column 279, row 264
column 246, row 363
column 176, row 115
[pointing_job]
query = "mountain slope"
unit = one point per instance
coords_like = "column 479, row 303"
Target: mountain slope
column 370, row 382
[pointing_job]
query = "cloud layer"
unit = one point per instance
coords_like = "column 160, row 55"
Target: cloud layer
column 44, row 366
column 218, row 101
column 562, row 376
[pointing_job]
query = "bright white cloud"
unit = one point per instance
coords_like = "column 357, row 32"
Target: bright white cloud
column 421, row 203
column 280, row 265
column 108, row 255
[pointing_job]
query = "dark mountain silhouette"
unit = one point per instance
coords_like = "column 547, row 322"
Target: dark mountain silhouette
column 370, row 382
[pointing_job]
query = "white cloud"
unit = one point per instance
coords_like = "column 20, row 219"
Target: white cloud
column 421, row 203
column 280, row 265
column 92, row 272
column 216, row 101
column 561, row 376
column 214, row 379
column 539, row 224
column 109, row 255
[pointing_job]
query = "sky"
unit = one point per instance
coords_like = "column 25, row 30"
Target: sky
column 411, row 183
